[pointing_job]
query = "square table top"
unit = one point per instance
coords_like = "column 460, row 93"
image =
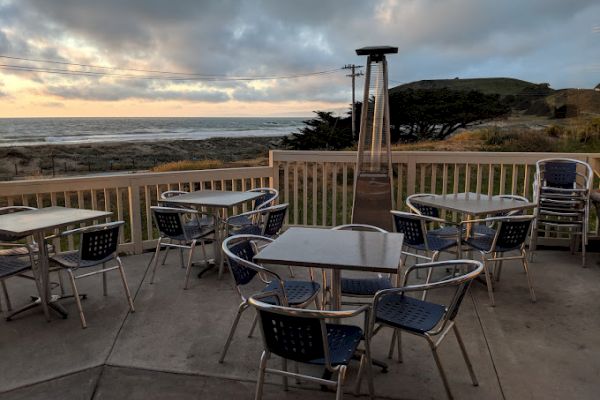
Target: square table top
column 28, row 222
column 325, row 248
column 473, row 203
column 214, row 198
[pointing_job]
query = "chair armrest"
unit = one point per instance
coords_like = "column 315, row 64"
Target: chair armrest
column 245, row 214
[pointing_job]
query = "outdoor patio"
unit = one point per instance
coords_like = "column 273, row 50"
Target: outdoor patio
column 168, row 349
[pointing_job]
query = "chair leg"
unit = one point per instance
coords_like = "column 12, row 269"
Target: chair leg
column 529, row 280
column 285, row 378
column 61, row 282
column 498, row 270
column 77, row 299
column 104, row 288
column 156, row 257
column 125, row 285
column 583, row 243
column 188, row 269
column 243, row 306
column 181, row 257
column 488, row 281
column 253, row 325
column 438, row 362
column 6, row 297
column 463, row 350
column 291, row 271
column 261, row 376
column 165, row 257
column 369, row 363
column 339, row 392
column 396, row 342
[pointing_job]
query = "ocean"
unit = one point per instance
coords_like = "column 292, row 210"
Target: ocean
column 32, row 131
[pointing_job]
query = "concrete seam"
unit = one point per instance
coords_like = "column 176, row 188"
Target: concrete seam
column 487, row 343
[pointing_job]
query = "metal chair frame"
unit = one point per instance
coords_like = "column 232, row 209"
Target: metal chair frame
column 261, row 218
column 436, row 335
column 321, row 316
column 263, row 274
column 266, row 200
column 565, row 209
column 112, row 255
column 497, row 256
column 184, row 240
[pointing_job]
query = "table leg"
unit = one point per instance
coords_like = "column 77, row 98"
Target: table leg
column 336, row 289
column 219, row 242
column 41, row 273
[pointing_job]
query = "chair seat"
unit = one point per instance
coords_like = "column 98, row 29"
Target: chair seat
column 364, row 286
column 484, row 243
column 482, row 230
column 239, row 220
column 408, row 313
column 297, row 292
column 343, row 341
column 70, row 259
column 22, row 250
column 444, row 231
column 12, row 265
column 436, row 243
column 247, row 230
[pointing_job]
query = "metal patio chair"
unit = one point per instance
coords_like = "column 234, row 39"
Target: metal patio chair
column 562, row 190
column 304, row 336
column 267, row 199
column 97, row 246
column 203, row 219
column 240, row 251
column 489, row 229
column 172, row 226
column 432, row 321
column 446, row 229
column 360, row 287
column 14, row 255
column 510, row 235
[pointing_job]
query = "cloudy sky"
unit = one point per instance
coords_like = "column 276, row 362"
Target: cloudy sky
column 554, row 41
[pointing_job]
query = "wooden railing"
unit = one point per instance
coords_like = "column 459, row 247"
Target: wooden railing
column 318, row 186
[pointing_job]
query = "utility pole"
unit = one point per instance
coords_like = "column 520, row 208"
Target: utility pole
column 353, row 75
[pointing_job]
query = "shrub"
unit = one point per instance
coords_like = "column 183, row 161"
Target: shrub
column 186, row 165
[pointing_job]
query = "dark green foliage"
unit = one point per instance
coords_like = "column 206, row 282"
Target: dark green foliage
column 325, row 132
column 434, row 114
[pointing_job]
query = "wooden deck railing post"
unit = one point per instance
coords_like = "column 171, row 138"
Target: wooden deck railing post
column 135, row 218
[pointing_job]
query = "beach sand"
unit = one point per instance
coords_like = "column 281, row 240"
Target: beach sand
column 18, row 162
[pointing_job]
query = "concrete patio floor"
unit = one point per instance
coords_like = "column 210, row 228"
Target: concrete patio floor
column 168, row 348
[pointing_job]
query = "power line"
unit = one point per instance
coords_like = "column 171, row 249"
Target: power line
column 178, row 77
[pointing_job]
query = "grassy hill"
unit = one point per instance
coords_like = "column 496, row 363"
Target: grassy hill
column 501, row 86
column 586, row 100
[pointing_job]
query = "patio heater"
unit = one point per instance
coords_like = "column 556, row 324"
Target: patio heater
column 373, row 196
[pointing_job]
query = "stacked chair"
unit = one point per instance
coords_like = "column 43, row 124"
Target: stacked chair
column 562, row 190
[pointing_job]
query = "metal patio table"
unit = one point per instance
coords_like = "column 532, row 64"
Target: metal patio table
column 473, row 204
column 218, row 202
column 36, row 223
column 335, row 250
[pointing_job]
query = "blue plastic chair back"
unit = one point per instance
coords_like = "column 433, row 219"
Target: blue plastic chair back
column 412, row 229
column 293, row 338
column 427, row 210
column 169, row 223
column 512, row 234
column 560, row 174
column 241, row 273
column 274, row 222
column 99, row 244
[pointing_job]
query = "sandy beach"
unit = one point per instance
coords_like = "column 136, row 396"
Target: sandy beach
column 19, row 162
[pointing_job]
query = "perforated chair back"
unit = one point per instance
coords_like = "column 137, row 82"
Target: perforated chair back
column 412, row 226
column 269, row 195
column 560, row 174
column 274, row 220
column 512, row 232
column 169, row 222
column 239, row 251
column 421, row 209
column 99, row 242
column 293, row 337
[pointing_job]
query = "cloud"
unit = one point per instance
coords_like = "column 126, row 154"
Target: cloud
column 537, row 40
